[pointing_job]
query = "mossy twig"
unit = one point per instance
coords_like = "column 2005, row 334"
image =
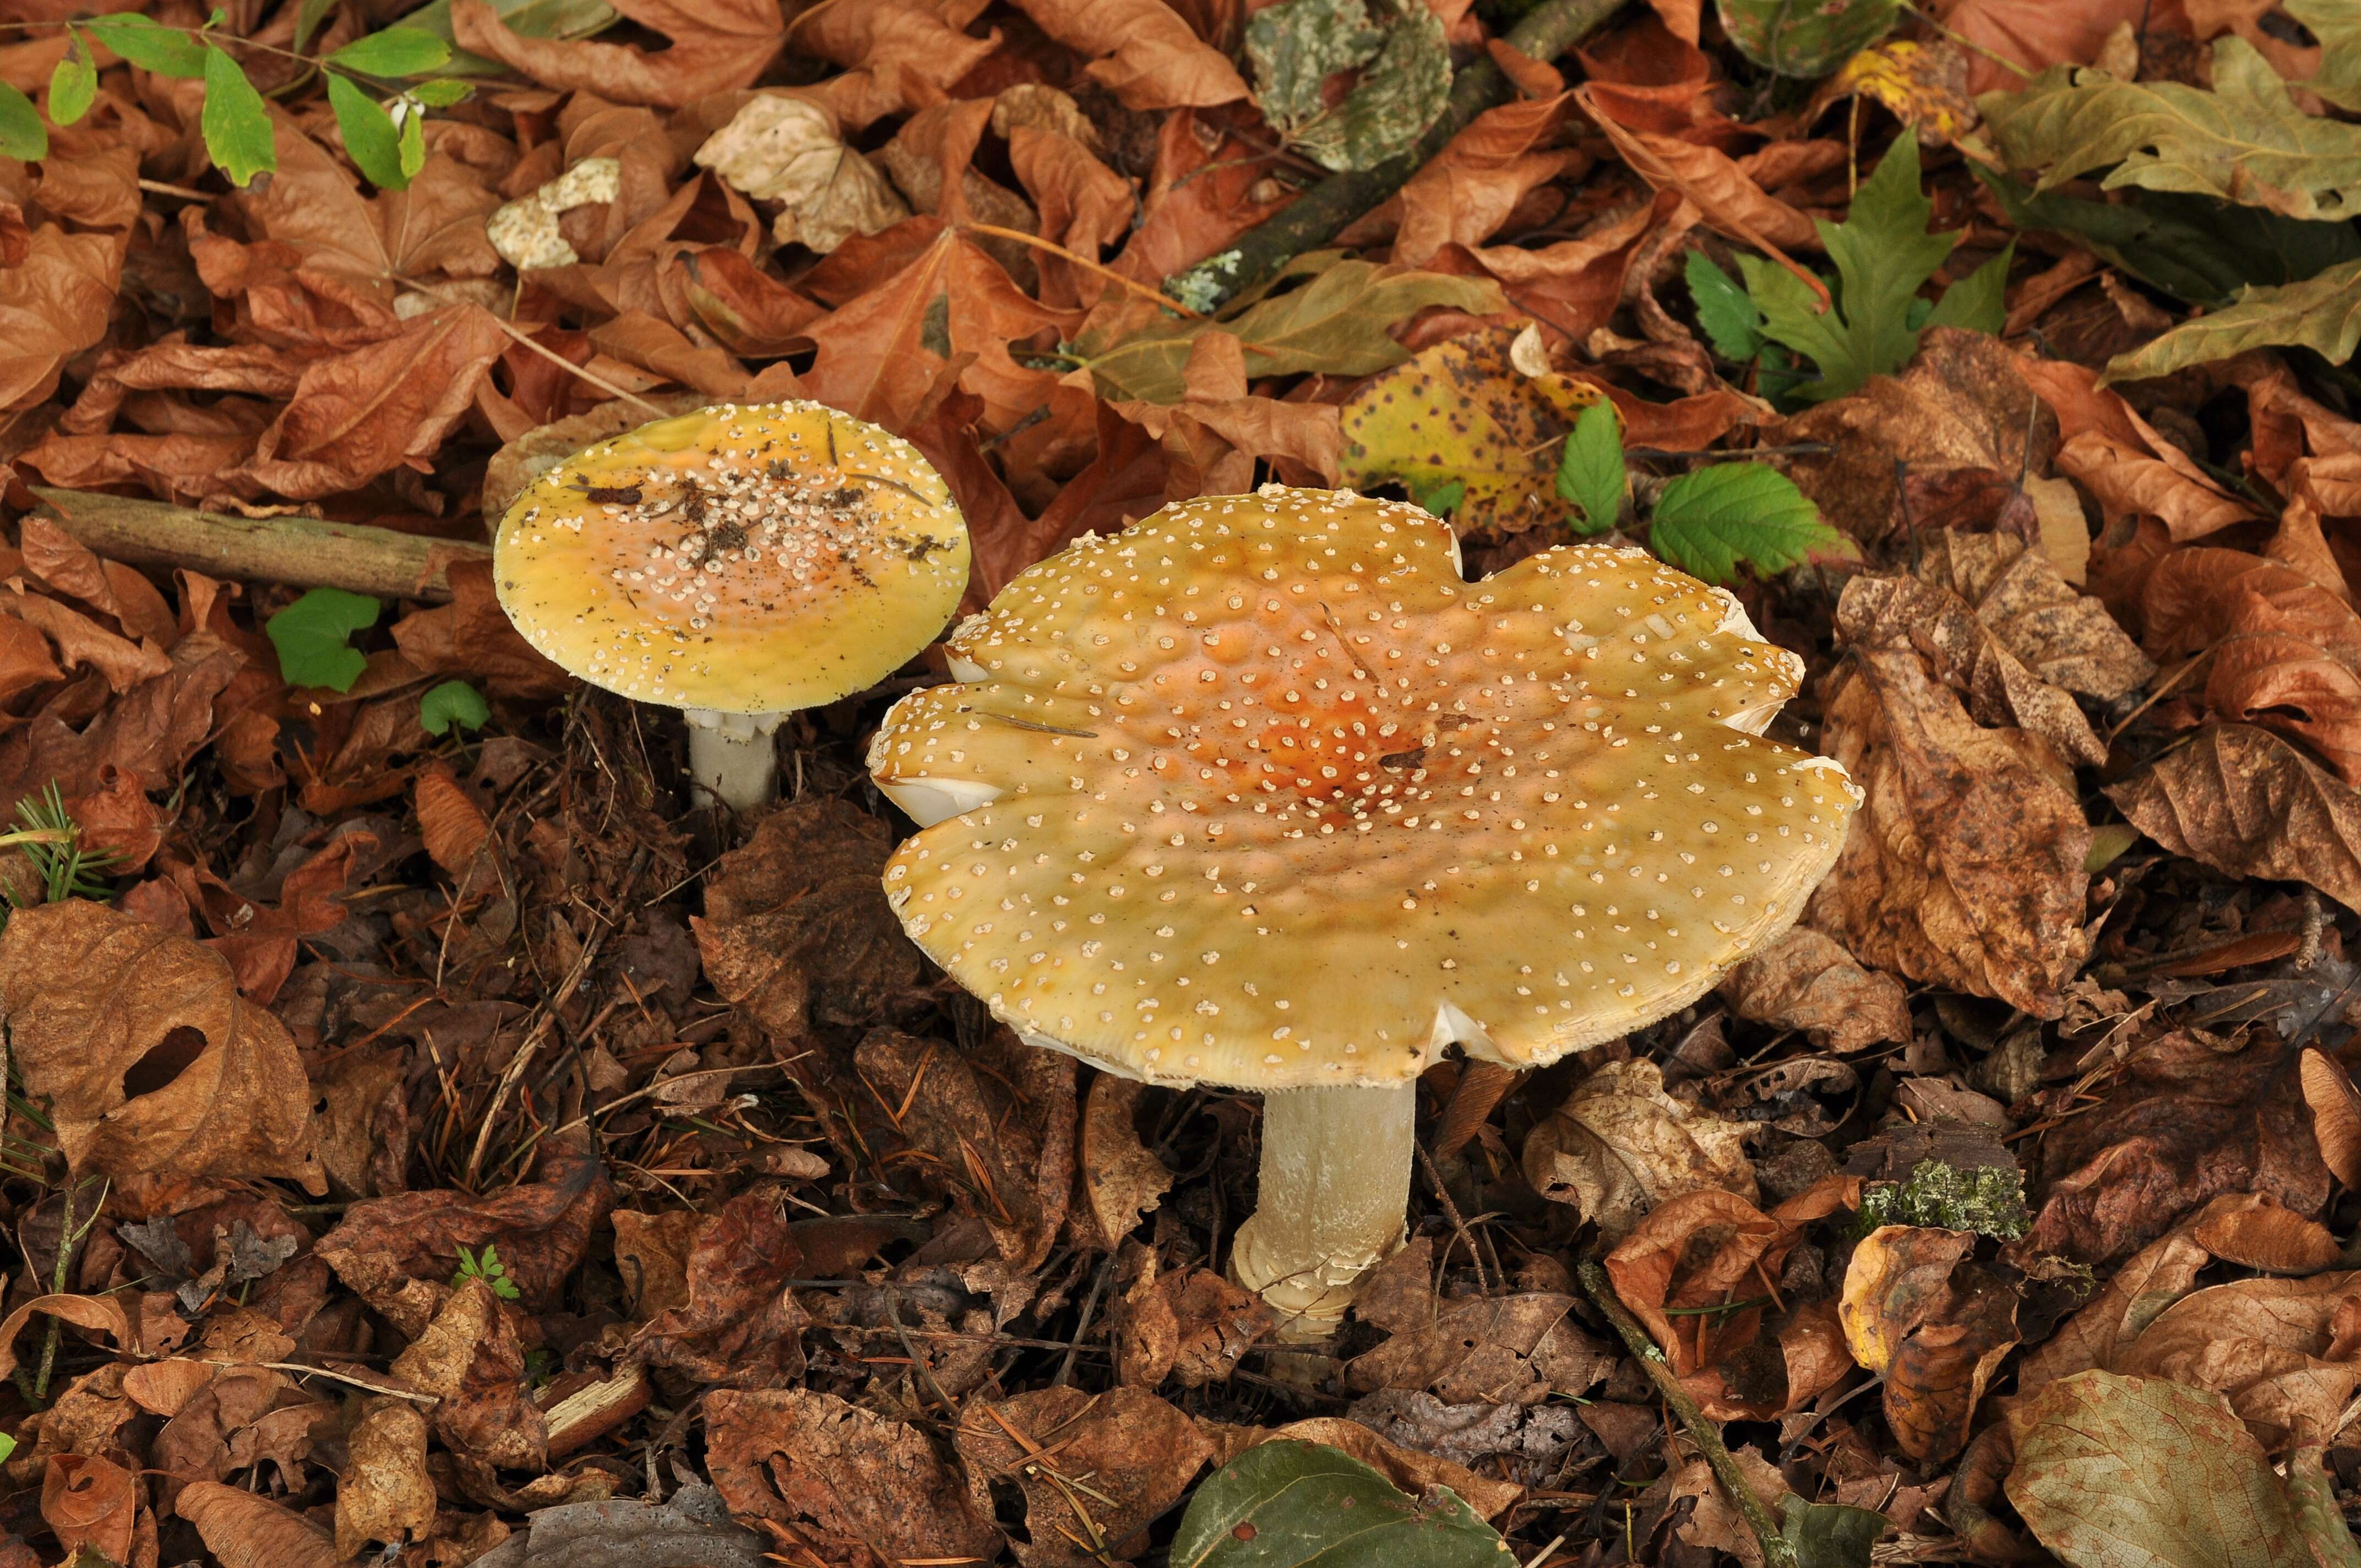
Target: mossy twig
column 1777, row 1553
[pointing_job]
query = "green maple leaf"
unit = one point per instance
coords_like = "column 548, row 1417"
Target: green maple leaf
column 1883, row 256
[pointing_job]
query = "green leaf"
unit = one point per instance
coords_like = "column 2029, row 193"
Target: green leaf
column 73, row 82
column 149, row 44
column 1830, row 1535
column 1727, row 312
column 413, row 144
column 2114, row 1472
column 22, row 135
column 1590, row 471
column 1442, row 498
column 312, row 637
column 1978, row 301
column 453, row 702
column 308, row 18
column 1296, row 45
column 1712, row 521
column 2245, row 141
column 439, row 95
column 2320, row 313
column 1794, row 39
column 527, row 19
column 369, row 134
column 396, row 51
column 1883, row 256
column 1286, row 1504
column 237, row 122
column 1337, row 324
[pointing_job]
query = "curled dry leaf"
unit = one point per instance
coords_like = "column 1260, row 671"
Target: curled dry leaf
column 862, row 1488
column 2285, row 1353
column 1141, row 51
column 2246, row 802
column 250, row 1532
column 471, row 1358
column 1620, row 1146
column 1933, row 1326
column 2251, row 1230
column 1806, row 981
column 384, row 1494
column 787, row 149
column 1122, row 1179
column 151, row 1060
column 736, row 1323
column 1189, row 1324
column 2128, row 467
column 690, row 1530
column 94, row 1504
column 2335, row 1114
column 716, row 45
column 1965, row 864
column 1135, row 1453
column 2187, row 1119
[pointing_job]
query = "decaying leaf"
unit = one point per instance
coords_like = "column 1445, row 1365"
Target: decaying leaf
column 1463, row 413
column 2318, row 313
column 2137, row 1469
column 1965, row 864
column 1806, row 981
column 385, row 1494
column 152, row 1060
column 1620, row 1146
column 2248, row 803
column 866, row 1489
column 1933, row 1326
column 1122, row 1179
column 1132, row 1455
column 250, row 1532
column 2335, row 1114
column 783, row 149
column 1517, row 1349
column 1189, row 1324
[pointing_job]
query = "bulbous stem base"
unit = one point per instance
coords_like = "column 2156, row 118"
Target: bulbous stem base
column 1335, row 1187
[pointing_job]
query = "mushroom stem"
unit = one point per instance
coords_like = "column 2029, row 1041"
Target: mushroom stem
column 1336, row 1186
column 731, row 759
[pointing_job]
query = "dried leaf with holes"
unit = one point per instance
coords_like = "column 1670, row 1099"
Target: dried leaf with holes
column 1095, row 1469
column 151, row 1061
column 1621, row 1145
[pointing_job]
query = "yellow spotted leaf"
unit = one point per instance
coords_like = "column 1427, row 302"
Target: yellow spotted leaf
column 1461, row 413
column 1923, row 84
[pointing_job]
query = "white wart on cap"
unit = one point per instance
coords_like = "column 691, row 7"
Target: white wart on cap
column 1260, row 793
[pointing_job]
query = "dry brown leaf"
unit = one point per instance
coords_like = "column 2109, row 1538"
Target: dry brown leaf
column 2335, row 1114
column 1965, row 864
column 786, row 149
column 1189, row 1324
column 384, row 1493
column 93, row 1505
column 1517, row 1349
column 1141, row 51
column 2122, row 460
column 2186, row 1119
column 1217, row 433
column 250, row 1532
column 1620, row 1146
column 150, row 1060
column 471, row 638
column 2287, row 1352
column 1121, row 1180
column 472, row 1360
column 2149, row 1281
column 450, row 821
column 2064, row 638
column 1732, row 203
column 900, row 54
column 736, row 1323
column 1806, row 981
column 1933, row 1326
column 2253, row 1230
column 2246, row 802
column 716, row 45
column 1961, row 402
column 1135, row 1452
column 57, row 295
column 865, row 1489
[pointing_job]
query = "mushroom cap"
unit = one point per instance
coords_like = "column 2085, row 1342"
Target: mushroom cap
column 1260, row 793
column 743, row 559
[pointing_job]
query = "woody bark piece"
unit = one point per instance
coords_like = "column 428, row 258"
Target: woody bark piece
column 1321, row 212
column 303, row 552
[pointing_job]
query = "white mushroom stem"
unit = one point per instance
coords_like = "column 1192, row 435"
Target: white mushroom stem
column 1335, row 1187
column 730, row 756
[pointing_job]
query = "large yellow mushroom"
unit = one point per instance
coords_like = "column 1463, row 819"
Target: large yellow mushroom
column 738, row 563
column 1261, row 793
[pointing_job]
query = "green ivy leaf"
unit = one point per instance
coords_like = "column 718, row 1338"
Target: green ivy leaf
column 1590, row 471
column 314, row 638
column 73, row 83
column 396, row 51
column 453, row 702
column 1713, row 521
column 149, row 44
column 1286, row 1504
column 22, row 135
column 370, row 137
column 1727, row 312
column 237, row 122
